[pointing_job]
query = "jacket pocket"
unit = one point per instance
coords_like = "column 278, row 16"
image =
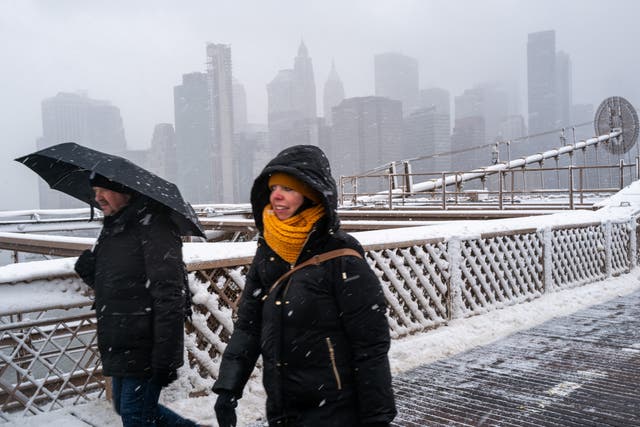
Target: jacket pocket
column 125, row 331
column 332, row 357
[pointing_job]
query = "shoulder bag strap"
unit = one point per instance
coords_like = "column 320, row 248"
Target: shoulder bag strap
column 315, row 260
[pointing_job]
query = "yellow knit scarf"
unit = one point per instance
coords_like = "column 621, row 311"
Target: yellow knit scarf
column 287, row 237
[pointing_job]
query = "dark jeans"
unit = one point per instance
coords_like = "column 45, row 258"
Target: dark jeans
column 136, row 401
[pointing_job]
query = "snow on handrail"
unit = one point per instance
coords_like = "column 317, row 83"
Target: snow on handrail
column 493, row 169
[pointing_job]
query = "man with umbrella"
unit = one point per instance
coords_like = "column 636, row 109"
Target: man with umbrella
column 138, row 276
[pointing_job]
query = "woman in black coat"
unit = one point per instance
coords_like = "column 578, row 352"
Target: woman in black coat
column 137, row 273
column 322, row 333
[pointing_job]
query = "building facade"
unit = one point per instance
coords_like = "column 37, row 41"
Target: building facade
column 240, row 121
column 564, row 92
column 225, row 155
column 194, row 141
column 292, row 103
column 366, row 135
column 162, row 154
column 74, row 117
column 541, row 81
column 333, row 93
column 426, row 134
column 397, row 77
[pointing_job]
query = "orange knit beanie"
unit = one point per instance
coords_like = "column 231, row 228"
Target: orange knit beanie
column 286, row 180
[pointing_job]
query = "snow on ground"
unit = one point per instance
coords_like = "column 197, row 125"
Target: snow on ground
column 445, row 341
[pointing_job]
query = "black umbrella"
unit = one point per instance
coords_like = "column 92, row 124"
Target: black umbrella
column 66, row 167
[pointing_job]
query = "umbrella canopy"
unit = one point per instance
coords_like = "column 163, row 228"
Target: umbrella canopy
column 66, row 167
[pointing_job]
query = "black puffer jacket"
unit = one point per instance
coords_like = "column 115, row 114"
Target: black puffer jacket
column 323, row 334
column 139, row 285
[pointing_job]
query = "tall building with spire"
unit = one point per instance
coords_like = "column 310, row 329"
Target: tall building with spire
column 333, row 93
column 219, row 76
column 292, row 104
column 304, row 84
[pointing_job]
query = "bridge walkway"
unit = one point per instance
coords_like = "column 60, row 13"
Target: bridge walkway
column 578, row 370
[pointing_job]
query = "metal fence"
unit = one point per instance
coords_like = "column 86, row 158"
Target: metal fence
column 50, row 357
column 568, row 185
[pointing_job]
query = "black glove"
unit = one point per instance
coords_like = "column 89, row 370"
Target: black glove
column 164, row 377
column 86, row 266
column 226, row 409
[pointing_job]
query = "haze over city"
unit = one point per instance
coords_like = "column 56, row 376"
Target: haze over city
column 133, row 54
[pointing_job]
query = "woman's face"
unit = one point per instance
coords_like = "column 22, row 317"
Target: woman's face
column 285, row 201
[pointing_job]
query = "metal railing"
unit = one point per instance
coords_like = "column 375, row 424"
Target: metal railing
column 543, row 187
column 49, row 357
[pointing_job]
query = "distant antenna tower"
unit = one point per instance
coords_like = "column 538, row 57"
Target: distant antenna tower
column 616, row 113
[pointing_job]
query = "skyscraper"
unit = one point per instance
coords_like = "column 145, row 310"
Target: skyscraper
column 367, row 133
column 550, row 94
column 220, row 79
column 282, row 112
column 438, row 98
column 495, row 108
column 304, row 85
column 194, row 145
column 564, row 92
column 396, row 77
column 541, row 81
column 437, row 103
column 479, row 114
column 162, row 154
column 468, row 133
column 292, row 103
column 74, row 117
column 426, row 133
column 333, row 93
column 469, row 130
column 239, row 107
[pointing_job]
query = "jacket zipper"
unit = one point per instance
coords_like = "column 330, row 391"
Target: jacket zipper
column 286, row 288
column 332, row 357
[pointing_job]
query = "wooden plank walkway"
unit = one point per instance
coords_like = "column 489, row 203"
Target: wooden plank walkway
column 579, row 370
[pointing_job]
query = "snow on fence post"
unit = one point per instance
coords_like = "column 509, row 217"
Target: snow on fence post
column 633, row 243
column 455, row 281
column 607, row 248
column 547, row 259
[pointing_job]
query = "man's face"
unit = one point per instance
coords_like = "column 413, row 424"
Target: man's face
column 110, row 201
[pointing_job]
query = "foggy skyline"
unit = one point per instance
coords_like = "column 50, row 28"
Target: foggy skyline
column 133, row 54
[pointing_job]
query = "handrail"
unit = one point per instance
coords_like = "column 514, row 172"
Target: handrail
column 450, row 178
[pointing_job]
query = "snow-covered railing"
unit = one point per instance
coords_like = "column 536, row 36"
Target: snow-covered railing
column 483, row 172
column 430, row 275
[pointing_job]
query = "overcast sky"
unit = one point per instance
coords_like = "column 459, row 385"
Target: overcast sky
column 132, row 53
